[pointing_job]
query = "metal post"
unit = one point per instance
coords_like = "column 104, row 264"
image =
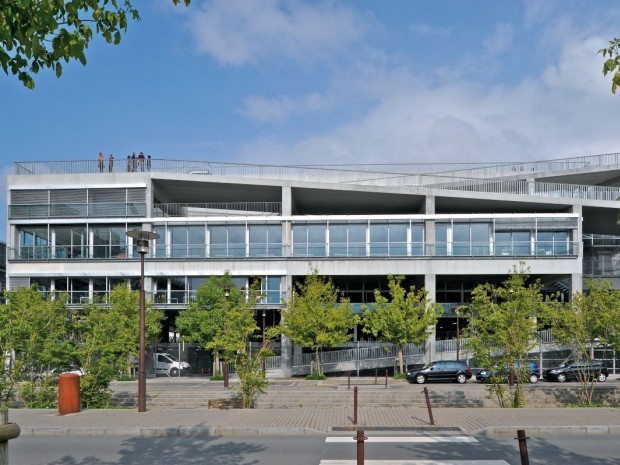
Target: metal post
column 225, row 374
column 458, row 337
column 525, row 459
column 142, row 358
column 376, row 373
column 264, row 360
column 355, row 405
column 428, row 406
column 360, row 438
column 349, row 381
column 386, row 378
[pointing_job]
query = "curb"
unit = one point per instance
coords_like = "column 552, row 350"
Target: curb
column 174, row 431
column 549, row 430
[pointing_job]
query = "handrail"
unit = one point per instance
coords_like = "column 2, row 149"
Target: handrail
column 391, row 178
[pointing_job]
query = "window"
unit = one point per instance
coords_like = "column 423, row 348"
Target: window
column 34, row 243
column 390, row 239
column 109, row 242
column 441, row 239
column 70, row 242
column 227, row 241
column 265, row 240
column 309, row 240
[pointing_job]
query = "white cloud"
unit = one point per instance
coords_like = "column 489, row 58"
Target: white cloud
column 500, row 40
column 428, row 30
column 236, row 32
column 266, row 110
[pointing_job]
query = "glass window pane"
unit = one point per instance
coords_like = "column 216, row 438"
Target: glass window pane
column 460, row 239
column 196, row 241
column 300, row 240
column 236, row 241
column 398, row 239
column 503, row 243
column 316, row 240
column 521, row 242
column 218, row 241
column 480, row 239
column 274, row 240
column 441, row 239
column 160, row 244
column 379, row 238
column 357, row 240
column 417, row 238
column 178, row 241
column 258, row 240
column 337, row 240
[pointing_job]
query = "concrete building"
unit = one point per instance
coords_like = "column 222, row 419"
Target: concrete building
column 444, row 227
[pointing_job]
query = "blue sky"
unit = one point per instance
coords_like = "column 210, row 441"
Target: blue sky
column 330, row 82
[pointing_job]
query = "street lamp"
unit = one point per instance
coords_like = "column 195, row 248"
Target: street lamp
column 227, row 297
column 141, row 241
column 264, row 360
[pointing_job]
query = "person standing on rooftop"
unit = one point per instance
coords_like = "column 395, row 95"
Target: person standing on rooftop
column 100, row 160
column 141, row 161
column 134, row 161
column 111, row 163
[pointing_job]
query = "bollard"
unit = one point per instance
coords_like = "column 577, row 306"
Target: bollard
column 376, row 372
column 349, row 381
column 360, row 438
column 428, row 405
column 68, row 393
column 8, row 431
column 226, row 375
column 355, row 405
column 386, row 378
column 525, row 459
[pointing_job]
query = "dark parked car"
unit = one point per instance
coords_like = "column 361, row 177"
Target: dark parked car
column 575, row 370
column 444, row 370
column 532, row 375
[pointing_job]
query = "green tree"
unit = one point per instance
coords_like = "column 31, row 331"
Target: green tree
column 108, row 335
column 315, row 317
column 503, row 330
column 38, row 34
column 591, row 318
column 612, row 63
column 33, row 329
column 407, row 317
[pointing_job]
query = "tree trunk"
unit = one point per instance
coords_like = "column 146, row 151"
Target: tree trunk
column 400, row 358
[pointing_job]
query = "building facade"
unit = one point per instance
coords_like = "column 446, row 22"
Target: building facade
column 446, row 228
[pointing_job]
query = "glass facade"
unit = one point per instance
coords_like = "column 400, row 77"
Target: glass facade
column 334, row 239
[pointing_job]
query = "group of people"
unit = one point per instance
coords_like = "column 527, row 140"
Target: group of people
column 134, row 162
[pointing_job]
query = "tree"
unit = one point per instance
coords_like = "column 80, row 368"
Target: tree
column 108, row 335
column 38, row 34
column 315, row 317
column 407, row 317
column 503, row 330
column 612, row 64
column 591, row 318
column 33, row 331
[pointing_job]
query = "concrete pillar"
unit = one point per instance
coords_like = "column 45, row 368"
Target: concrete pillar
column 429, row 226
column 430, row 284
column 287, row 210
column 576, row 283
column 286, row 344
column 576, row 280
column 8, row 431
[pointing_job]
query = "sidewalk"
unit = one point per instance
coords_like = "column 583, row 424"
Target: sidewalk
column 157, row 422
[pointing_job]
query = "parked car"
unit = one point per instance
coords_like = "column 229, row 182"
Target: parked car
column 443, row 370
column 169, row 365
column 53, row 373
column 575, row 370
column 533, row 373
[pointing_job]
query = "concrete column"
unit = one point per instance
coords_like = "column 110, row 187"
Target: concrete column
column 430, row 284
column 286, row 345
column 287, row 201
column 576, row 283
column 429, row 226
column 8, row 431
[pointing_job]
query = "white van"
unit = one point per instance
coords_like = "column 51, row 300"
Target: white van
column 167, row 364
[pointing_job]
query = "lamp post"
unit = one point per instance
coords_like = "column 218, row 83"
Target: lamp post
column 264, row 360
column 227, row 297
column 141, row 241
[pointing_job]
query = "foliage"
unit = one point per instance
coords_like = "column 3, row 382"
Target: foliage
column 39, row 34
column 41, row 393
column 315, row 318
column 612, row 63
column 591, row 318
column 503, row 330
column 252, row 378
column 408, row 317
column 33, row 331
column 316, row 376
column 217, row 321
column 108, row 336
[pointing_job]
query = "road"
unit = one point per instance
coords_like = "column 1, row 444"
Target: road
column 335, row 449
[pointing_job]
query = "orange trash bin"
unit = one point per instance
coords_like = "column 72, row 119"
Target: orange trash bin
column 68, row 393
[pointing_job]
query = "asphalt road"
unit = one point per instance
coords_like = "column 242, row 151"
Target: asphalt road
column 312, row 450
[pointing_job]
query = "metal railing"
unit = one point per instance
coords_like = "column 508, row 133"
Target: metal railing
column 262, row 251
column 77, row 210
column 387, row 351
column 167, row 210
column 390, row 178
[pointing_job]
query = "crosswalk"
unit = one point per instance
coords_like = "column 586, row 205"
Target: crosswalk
column 443, row 441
